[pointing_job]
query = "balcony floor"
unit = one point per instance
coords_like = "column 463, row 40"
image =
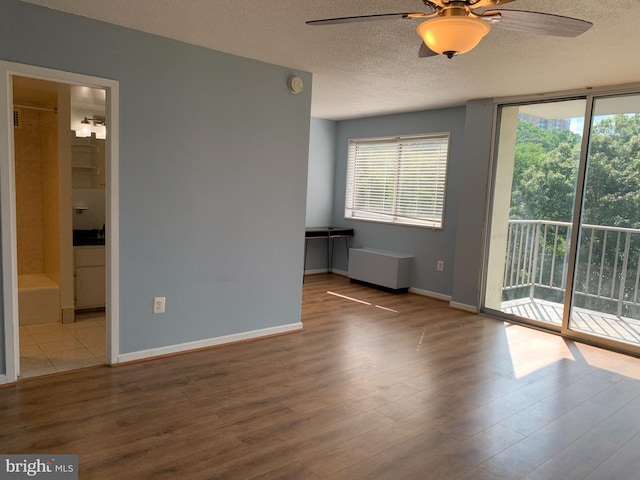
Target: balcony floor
column 621, row 329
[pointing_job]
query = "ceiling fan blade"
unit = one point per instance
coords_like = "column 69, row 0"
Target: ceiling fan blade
column 434, row 4
column 539, row 23
column 488, row 3
column 366, row 18
column 425, row 51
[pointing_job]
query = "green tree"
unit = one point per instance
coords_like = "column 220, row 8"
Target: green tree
column 545, row 170
column 612, row 194
column 544, row 173
column 544, row 181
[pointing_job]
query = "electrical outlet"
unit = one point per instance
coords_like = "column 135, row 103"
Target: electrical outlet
column 158, row 304
column 440, row 266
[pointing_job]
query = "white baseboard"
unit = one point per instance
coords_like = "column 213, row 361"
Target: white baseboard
column 446, row 298
column 209, row 342
column 463, row 306
column 316, row 271
column 3, row 379
column 326, row 270
column 427, row 293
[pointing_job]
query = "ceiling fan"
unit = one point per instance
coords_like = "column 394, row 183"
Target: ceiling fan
column 453, row 27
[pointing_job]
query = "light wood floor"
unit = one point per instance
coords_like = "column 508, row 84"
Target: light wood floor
column 398, row 387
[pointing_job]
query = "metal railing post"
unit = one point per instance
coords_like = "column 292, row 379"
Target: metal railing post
column 623, row 273
column 536, row 249
column 526, row 254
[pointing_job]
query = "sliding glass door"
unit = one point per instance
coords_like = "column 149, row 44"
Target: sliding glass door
column 534, row 195
column 606, row 300
column 564, row 239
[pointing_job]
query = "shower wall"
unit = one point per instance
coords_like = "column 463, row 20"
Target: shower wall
column 50, row 195
column 42, row 158
column 37, row 216
column 37, row 204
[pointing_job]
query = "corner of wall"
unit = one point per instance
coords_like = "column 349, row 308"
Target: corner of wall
column 469, row 247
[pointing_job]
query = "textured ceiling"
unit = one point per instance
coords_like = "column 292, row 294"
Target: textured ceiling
column 366, row 69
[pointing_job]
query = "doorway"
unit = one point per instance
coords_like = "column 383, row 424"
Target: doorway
column 48, row 190
column 564, row 240
column 60, row 188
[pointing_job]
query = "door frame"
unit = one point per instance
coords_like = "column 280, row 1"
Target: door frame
column 8, row 208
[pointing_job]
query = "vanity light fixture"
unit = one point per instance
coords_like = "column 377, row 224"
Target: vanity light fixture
column 85, row 128
column 92, row 125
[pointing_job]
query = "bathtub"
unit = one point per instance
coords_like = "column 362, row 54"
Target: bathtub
column 38, row 299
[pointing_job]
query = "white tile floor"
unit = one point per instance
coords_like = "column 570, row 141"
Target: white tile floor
column 56, row 347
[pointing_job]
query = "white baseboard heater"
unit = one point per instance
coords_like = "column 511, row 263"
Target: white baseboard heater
column 387, row 270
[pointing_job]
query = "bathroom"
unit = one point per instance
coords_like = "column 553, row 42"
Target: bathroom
column 59, row 145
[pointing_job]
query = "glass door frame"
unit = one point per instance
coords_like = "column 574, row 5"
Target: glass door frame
column 590, row 96
column 576, row 220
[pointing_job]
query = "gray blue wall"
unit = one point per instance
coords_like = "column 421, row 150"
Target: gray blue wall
column 474, row 188
column 427, row 245
column 213, row 173
column 460, row 243
column 320, row 182
column 321, row 175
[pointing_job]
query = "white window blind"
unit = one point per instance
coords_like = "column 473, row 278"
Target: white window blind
column 398, row 179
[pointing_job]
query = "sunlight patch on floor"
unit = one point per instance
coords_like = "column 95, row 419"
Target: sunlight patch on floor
column 610, row 361
column 531, row 350
column 362, row 302
column 347, row 298
column 387, row 309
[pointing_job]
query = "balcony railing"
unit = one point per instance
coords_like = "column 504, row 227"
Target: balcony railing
column 607, row 272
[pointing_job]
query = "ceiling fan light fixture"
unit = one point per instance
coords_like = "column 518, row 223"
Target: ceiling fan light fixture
column 453, row 35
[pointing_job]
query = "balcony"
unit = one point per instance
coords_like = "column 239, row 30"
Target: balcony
column 606, row 300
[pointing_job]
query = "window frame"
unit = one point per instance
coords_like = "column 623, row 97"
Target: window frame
column 438, row 182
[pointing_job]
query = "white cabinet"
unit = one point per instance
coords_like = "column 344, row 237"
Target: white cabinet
column 89, row 275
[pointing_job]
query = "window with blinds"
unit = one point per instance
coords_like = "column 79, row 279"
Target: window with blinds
column 398, row 179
